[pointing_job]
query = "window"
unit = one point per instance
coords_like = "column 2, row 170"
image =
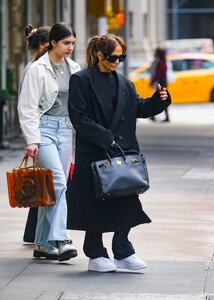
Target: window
column 179, row 65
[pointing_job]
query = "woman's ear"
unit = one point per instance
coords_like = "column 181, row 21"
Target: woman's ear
column 53, row 43
column 99, row 55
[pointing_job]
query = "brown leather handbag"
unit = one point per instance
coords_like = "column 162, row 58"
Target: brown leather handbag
column 30, row 186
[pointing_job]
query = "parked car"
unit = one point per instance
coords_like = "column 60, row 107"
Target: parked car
column 191, row 79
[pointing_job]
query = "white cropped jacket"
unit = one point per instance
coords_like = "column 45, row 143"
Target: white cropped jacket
column 38, row 94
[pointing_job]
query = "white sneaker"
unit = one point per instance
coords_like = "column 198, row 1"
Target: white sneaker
column 132, row 263
column 101, row 264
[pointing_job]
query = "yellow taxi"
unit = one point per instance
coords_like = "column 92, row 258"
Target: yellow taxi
column 190, row 80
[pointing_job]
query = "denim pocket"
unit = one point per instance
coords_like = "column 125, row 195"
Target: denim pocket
column 69, row 125
column 42, row 123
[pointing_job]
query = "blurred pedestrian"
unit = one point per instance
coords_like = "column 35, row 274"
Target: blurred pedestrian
column 103, row 108
column 159, row 75
column 44, row 120
column 38, row 41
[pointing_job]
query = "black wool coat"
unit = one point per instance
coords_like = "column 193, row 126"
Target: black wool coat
column 97, row 125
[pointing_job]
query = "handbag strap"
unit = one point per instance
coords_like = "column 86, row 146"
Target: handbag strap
column 124, row 153
column 25, row 161
column 120, row 150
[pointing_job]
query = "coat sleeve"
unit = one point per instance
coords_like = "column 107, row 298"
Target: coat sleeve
column 81, row 118
column 152, row 106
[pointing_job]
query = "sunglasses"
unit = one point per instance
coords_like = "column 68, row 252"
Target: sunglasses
column 114, row 58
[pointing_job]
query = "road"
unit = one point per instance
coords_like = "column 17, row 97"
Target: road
column 178, row 245
column 180, row 158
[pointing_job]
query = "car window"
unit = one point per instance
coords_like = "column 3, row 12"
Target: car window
column 147, row 71
column 208, row 64
column 195, row 64
column 191, row 64
column 179, row 65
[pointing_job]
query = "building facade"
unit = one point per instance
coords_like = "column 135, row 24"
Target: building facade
column 147, row 26
column 144, row 24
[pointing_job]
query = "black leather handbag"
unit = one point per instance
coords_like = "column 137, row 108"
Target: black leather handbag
column 120, row 176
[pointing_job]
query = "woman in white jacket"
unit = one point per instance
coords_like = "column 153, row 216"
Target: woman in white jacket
column 38, row 42
column 46, row 127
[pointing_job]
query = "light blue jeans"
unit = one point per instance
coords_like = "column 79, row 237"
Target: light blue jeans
column 55, row 153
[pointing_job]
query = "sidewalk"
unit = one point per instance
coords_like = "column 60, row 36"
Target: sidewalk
column 178, row 245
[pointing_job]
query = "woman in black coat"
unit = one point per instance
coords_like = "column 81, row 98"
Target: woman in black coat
column 103, row 108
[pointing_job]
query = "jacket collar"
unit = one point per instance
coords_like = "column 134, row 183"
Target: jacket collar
column 45, row 60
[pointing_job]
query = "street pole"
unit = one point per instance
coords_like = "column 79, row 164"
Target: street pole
column 3, row 67
column 3, row 43
column 102, row 25
column 126, row 34
column 175, row 19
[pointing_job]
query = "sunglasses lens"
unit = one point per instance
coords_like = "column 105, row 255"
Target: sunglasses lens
column 122, row 57
column 114, row 58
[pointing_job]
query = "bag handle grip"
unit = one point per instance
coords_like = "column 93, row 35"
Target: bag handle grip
column 122, row 152
column 25, row 161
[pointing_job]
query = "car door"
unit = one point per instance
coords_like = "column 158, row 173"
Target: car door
column 193, row 81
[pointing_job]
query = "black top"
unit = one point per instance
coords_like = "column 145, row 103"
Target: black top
column 111, row 82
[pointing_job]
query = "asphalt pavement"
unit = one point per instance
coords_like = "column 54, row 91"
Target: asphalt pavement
column 178, row 246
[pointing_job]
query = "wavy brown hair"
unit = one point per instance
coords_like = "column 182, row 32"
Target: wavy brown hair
column 105, row 44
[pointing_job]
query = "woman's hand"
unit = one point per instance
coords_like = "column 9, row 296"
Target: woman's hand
column 113, row 144
column 31, row 150
column 162, row 92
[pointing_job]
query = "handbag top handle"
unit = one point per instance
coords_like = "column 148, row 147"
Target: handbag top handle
column 122, row 153
column 25, row 161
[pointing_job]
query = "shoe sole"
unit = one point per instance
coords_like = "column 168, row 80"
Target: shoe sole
column 28, row 243
column 40, row 254
column 121, row 266
column 102, row 271
column 67, row 255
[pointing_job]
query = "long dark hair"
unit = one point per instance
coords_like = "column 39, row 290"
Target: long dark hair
column 60, row 31
column 105, row 43
column 36, row 36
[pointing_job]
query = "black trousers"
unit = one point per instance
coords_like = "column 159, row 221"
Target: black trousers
column 30, row 227
column 121, row 247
